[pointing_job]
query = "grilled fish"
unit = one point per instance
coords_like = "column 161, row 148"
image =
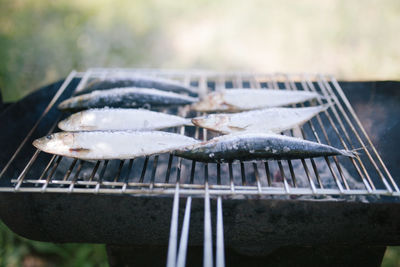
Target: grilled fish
column 131, row 97
column 257, row 146
column 233, row 100
column 266, row 120
column 136, row 80
column 120, row 119
column 99, row 145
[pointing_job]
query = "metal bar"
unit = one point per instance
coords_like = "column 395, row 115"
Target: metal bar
column 290, row 85
column 101, row 176
column 173, row 232
column 192, row 172
column 218, row 173
column 146, row 161
column 64, row 85
column 292, row 173
column 285, row 183
column 257, row 175
column 326, row 92
column 243, row 173
column 94, row 170
column 208, row 254
column 71, row 187
column 153, row 173
column 344, row 99
column 27, row 167
column 318, row 117
column 121, row 164
column 231, row 177
column 220, row 251
column 71, row 167
column 47, row 167
column 312, row 87
column 184, row 235
column 267, row 172
column 48, row 179
column 169, row 168
column 313, row 188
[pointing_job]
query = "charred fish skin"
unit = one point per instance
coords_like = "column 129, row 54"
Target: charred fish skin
column 240, row 99
column 106, row 119
column 254, row 146
column 273, row 120
column 108, row 145
column 137, row 81
column 125, row 98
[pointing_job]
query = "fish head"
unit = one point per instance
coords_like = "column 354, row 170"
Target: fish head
column 80, row 121
column 210, row 102
column 218, row 123
column 57, row 143
column 70, row 123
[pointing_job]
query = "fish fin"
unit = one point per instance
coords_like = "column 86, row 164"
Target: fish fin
column 88, row 127
column 188, row 122
column 79, row 149
column 237, row 128
column 325, row 106
column 350, row 153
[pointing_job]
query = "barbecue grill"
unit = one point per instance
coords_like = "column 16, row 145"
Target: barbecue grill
column 246, row 208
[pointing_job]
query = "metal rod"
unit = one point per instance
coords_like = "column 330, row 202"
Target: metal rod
column 153, row 173
column 146, row 161
column 344, row 99
column 169, row 168
column 94, row 170
column 121, row 164
column 220, row 251
column 64, row 85
column 208, row 254
column 173, row 232
column 184, row 235
column 47, row 167
column 267, row 172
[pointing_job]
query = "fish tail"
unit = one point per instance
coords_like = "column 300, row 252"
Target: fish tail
column 188, row 122
column 326, row 106
column 350, row 153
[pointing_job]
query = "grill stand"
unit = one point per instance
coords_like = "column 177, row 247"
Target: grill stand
column 368, row 256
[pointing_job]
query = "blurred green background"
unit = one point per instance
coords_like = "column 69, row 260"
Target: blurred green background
column 42, row 41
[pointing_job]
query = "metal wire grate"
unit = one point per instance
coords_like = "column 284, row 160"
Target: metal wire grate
column 338, row 126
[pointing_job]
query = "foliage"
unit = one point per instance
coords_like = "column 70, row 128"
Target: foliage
column 17, row 251
column 41, row 41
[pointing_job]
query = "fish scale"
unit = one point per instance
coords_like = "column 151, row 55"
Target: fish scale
column 99, row 145
column 266, row 120
column 257, row 146
column 120, row 119
column 131, row 97
column 241, row 99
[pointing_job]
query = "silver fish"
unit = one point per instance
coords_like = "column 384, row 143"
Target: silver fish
column 234, row 100
column 100, row 145
column 257, row 146
column 136, row 80
column 265, row 120
column 131, row 97
column 120, row 119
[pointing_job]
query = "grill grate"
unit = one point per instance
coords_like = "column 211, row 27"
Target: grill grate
column 157, row 175
column 165, row 174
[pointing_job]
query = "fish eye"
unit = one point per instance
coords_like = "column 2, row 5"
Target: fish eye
column 49, row 137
